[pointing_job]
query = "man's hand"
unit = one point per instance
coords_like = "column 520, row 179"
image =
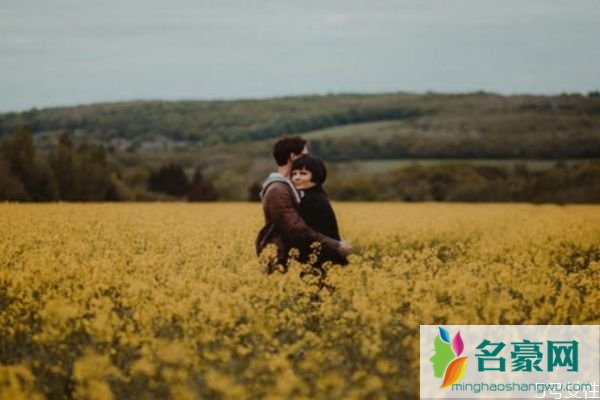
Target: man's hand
column 345, row 248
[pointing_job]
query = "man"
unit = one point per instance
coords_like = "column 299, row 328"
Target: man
column 280, row 200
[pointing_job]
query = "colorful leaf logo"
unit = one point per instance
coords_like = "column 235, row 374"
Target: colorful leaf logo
column 455, row 372
column 457, row 344
column 446, row 361
column 444, row 335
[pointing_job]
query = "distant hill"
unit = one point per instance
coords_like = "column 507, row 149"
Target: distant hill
column 410, row 147
column 213, row 122
column 344, row 127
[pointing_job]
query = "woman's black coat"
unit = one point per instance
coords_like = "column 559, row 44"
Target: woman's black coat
column 316, row 211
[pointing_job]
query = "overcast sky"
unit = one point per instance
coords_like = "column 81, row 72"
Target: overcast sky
column 68, row 52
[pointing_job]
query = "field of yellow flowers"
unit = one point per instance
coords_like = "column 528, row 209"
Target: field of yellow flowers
column 156, row 301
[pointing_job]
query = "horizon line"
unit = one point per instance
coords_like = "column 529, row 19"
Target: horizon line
column 291, row 96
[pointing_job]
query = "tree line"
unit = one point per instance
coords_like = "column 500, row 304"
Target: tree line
column 207, row 123
column 412, row 145
column 172, row 180
column 84, row 171
column 70, row 172
column 562, row 183
column 210, row 122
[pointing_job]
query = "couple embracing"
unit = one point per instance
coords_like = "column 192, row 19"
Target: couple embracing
column 297, row 210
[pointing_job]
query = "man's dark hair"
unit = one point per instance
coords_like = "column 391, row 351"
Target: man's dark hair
column 314, row 165
column 286, row 146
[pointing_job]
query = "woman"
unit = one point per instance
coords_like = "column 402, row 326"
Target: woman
column 308, row 175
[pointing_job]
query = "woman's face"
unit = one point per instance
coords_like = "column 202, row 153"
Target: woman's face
column 302, row 179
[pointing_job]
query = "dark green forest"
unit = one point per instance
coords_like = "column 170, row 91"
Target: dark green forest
column 409, row 147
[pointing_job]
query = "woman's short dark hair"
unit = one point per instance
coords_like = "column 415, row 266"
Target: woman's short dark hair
column 314, row 165
column 285, row 146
